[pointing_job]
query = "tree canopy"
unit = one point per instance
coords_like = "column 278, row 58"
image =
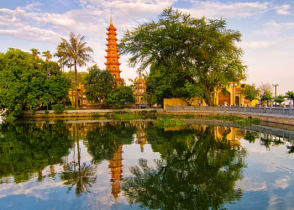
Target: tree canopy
column 250, row 92
column 98, row 84
column 121, row 96
column 184, row 53
column 25, row 85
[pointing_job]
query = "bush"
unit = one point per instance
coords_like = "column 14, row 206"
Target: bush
column 58, row 108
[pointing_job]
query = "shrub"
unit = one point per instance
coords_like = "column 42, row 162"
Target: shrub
column 58, row 108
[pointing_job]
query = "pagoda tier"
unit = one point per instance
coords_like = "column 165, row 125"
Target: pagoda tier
column 112, row 58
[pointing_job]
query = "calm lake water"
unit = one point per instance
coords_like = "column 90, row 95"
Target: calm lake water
column 133, row 165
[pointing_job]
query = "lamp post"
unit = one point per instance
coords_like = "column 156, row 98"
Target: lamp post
column 275, row 85
column 234, row 93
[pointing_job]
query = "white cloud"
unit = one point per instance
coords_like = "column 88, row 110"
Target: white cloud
column 283, row 9
column 219, row 9
column 255, row 44
column 32, row 33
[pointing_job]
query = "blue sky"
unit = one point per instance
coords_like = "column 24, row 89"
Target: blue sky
column 267, row 28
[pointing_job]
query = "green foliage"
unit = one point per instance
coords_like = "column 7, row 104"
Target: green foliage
column 279, row 99
column 25, row 85
column 99, row 84
column 58, row 108
column 290, row 96
column 250, row 92
column 237, row 120
column 167, row 123
column 121, row 96
column 184, row 52
column 266, row 97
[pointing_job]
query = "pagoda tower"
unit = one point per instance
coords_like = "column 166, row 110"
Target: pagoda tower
column 115, row 165
column 112, row 57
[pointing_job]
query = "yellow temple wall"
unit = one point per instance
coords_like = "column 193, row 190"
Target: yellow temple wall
column 232, row 91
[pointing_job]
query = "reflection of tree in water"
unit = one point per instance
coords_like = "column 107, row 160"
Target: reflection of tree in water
column 104, row 141
column 75, row 174
column 196, row 172
column 251, row 136
column 26, row 149
column 82, row 177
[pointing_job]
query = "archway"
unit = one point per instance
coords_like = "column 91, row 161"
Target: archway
column 237, row 101
column 224, row 99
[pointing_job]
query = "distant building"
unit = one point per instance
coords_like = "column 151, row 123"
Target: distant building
column 140, row 93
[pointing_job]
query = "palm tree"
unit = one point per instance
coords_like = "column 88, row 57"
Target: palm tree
column 290, row 96
column 47, row 56
column 35, row 53
column 77, row 51
column 61, row 54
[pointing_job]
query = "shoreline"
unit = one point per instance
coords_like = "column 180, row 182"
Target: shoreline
column 145, row 113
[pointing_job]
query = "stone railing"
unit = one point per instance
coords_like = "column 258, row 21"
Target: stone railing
column 254, row 110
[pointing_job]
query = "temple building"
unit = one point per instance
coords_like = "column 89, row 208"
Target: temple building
column 140, row 93
column 115, row 165
column 232, row 97
column 112, row 56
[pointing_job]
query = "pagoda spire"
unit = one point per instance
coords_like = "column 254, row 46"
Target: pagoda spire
column 112, row 63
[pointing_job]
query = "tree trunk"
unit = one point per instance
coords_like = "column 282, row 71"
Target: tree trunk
column 76, row 85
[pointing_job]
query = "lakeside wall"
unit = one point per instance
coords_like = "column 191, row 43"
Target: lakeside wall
column 271, row 115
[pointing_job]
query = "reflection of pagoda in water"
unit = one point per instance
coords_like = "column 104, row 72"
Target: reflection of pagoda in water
column 141, row 135
column 115, row 165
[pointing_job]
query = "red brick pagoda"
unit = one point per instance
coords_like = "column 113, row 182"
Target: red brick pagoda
column 112, row 57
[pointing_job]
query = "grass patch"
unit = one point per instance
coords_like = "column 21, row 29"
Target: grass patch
column 167, row 123
column 171, row 116
column 126, row 116
column 123, row 115
column 236, row 119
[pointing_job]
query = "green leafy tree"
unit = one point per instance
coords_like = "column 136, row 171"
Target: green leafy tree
column 267, row 97
column 24, row 87
column 184, row 51
column 290, row 96
column 279, row 99
column 99, row 84
column 77, row 51
column 250, row 92
column 120, row 96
